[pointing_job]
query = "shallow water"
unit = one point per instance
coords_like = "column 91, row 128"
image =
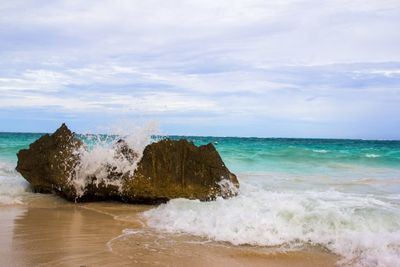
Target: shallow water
column 342, row 196
column 48, row 231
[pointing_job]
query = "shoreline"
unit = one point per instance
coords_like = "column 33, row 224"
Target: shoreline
column 49, row 231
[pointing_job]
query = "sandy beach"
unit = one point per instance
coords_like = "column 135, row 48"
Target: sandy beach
column 48, row 231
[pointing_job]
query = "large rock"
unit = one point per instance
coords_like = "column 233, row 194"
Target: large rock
column 167, row 169
column 50, row 161
column 173, row 169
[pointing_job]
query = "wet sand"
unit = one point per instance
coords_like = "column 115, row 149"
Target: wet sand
column 48, row 231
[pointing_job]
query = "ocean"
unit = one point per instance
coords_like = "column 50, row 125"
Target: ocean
column 342, row 196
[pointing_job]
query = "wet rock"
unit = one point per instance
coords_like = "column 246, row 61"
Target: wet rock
column 125, row 151
column 173, row 169
column 50, row 161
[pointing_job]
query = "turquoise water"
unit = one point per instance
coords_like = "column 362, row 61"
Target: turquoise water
column 346, row 165
column 343, row 195
column 262, row 154
column 308, row 156
column 11, row 143
column 345, row 161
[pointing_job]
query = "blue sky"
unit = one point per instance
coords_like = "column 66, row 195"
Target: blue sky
column 226, row 68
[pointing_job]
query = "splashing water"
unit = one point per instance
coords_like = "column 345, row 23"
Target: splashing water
column 104, row 151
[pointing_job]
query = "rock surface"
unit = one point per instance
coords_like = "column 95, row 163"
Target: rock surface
column 167, row 169
column 173, row 169
column 50, row 161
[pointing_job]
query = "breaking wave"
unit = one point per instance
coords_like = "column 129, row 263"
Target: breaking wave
column 363, row 229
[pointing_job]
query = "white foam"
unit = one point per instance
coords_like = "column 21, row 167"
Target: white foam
column 12, row 186
column 372, row 155
column 323, row 151
column 228, row 188
column 94, row 161
column 363, row 229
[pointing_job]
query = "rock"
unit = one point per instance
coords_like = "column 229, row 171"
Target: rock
column 123, row 149
column 178, row 169
column 50, row 161
column 50, row 165
column 167, row 169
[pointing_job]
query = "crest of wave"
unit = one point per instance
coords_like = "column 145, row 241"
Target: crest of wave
column 102, row 153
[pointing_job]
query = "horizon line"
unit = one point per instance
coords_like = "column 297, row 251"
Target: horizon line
column 219, row 136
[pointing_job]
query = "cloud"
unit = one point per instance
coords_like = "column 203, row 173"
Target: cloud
column 244, row 32
column 34, row 80
column 213, row 62
column 385, row 72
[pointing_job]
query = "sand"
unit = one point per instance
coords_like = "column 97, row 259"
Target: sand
column 48, row 231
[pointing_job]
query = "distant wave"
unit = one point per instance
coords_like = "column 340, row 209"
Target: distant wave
column 320, row 151
column 372, row 155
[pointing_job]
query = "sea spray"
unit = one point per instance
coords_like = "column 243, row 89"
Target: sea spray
column 103, row 154
column 228, row 188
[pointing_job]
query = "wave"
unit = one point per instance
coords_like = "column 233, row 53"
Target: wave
column 372, row 155
column 363, row 229
column 12, row 186
column 323, row 151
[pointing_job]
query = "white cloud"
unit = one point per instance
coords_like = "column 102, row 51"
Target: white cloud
column 242, row 32
column 34, row 80
column 303, row 60
column 111, row 103
column 386, row 72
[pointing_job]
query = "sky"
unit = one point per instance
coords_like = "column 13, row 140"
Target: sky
column 327, row 69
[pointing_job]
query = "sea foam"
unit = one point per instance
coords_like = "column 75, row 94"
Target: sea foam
column 372, row 155
column 12, row 186
column 323, row 151
column 363, row 229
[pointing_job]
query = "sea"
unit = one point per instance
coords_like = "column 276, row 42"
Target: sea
column 342, row 196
